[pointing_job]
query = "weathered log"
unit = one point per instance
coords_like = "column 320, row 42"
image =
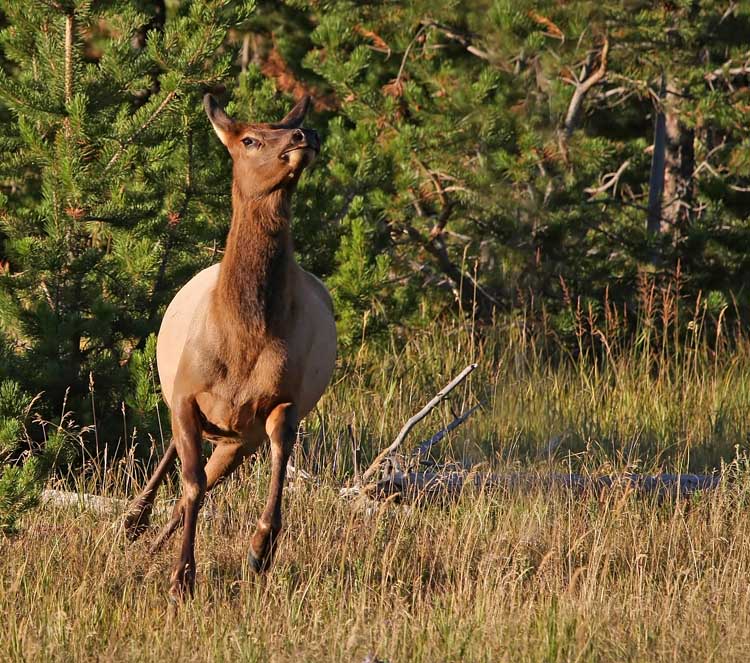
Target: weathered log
column 112, row 506
column 435, row 484
column 83, row 501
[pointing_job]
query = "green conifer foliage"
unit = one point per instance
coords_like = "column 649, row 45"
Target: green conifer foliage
column 112, row 193
column 477, row 156
column 23, row 472
column 513, row 141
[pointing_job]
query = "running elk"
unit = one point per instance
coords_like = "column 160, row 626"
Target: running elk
column 248, row 346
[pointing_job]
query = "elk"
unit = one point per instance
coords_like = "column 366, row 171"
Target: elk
column 247, row 347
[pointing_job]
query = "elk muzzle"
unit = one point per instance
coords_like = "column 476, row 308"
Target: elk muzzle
column 304, row 145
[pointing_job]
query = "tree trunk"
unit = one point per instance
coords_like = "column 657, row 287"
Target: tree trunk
column 672, row 165
column 658, row 161
column 680, row 164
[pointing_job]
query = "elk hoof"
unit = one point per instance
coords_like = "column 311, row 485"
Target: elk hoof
column 260, row 563
column 136, row 522
column 183, row 582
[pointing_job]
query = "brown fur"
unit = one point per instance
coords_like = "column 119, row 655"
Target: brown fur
column 246, row 349
column 253, row 280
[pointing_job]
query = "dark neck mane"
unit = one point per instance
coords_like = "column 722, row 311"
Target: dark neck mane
column 251, row 291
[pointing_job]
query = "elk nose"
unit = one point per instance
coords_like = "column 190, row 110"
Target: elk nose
column 313, row 139
column 297, row 136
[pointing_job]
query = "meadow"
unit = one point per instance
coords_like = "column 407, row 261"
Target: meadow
column 494, row 575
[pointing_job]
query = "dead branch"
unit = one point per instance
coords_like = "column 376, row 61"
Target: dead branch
column 435, row 245
column 581, row 90
column 436, row 248
column 608, row 181
column 425, row 446
column 406, row 55
column 711, row 169
column 454, row 35
column 413, row 421
column 728, row 72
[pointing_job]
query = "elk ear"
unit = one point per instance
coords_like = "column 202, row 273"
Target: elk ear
column 220, row 121
column 296, row 116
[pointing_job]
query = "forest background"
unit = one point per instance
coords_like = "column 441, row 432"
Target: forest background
column 552, row 169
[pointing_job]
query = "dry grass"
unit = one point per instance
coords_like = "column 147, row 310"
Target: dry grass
column 538, row 576
column 489, row 578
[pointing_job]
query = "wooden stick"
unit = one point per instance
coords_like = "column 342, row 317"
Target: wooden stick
column 428, row 444
column 415, row 420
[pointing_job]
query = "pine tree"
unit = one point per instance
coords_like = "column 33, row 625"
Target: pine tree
column 23, row 472
column 477, row 156
column 513, row 140
column 638, row 143
column 112, row 191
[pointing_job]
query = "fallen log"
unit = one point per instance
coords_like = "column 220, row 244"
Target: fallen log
column 110, row 506
column 434, row 484
column 83, row 501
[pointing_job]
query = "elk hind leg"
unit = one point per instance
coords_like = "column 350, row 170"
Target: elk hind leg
column 281, row 428
column 139, row 512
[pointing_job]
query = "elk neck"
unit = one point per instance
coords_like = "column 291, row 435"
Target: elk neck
column 252, row 290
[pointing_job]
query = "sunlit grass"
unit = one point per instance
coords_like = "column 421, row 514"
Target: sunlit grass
column 538, row 576
column 493, row 576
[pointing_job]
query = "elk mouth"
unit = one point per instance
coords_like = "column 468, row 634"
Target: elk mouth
column 299, row 156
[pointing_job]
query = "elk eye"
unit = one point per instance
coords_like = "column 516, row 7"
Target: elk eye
column 248, row 142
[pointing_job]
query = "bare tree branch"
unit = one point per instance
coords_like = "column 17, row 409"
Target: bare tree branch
column 728, row 72
column 581, row 90
column 413, row 421
column 437, row 249
column 425, row 446
column 456, row 36
column 406, row 54
column 718, row 175
column 608, row 181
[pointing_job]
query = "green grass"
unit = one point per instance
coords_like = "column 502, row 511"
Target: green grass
column 493, row 576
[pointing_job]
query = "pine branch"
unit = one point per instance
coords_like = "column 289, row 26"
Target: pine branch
column 151, row 118
column 178, row 218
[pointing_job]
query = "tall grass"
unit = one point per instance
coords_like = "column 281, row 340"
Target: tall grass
column 491, row 577
column 656, row 392
column 542, row 575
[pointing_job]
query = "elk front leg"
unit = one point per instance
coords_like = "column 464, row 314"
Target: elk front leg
column 187, row 437
column 281, row 428
column 224, row 460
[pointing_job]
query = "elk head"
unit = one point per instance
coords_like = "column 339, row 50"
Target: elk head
column 267, row 157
